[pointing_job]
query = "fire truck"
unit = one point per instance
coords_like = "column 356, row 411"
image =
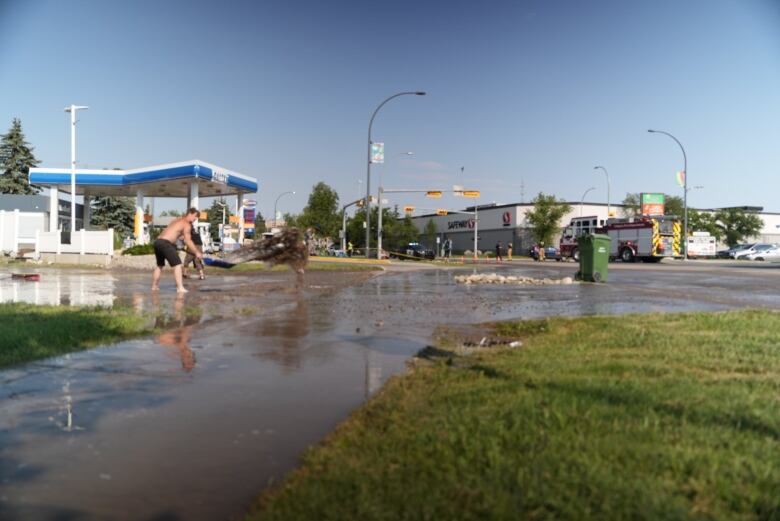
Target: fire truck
column 647, row 238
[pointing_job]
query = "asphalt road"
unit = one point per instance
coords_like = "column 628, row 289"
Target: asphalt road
column 194, row 422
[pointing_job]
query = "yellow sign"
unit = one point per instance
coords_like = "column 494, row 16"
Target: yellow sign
column 249, row 226
column 471, row 193
column 233, row 219
column 436, row 194
column 441, row 211
column 408, row 209
column 203, row 216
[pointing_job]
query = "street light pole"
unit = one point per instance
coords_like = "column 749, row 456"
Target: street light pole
column 379, row 218
column 607, row 174
column 72, row 109
column 685, row 189
column 277, row 200
column 368, row 166
column 582, row 201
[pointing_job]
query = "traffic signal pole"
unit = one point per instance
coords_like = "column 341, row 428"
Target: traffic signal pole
column 344, row 222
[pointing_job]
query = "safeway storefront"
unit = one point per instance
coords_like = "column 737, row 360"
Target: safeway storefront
column 506, row 223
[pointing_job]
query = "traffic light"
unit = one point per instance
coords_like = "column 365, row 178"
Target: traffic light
column 471, row 193
column 408, row 209
column 441, row 211
column 436, row 194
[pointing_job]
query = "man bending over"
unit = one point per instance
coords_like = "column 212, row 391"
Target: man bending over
column 165, row 248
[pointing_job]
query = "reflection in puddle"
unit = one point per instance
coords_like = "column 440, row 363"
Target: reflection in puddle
column 178, row 338
column 287, row 331
column 56, row 288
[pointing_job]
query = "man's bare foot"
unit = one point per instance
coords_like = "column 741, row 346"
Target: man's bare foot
column 182, row 290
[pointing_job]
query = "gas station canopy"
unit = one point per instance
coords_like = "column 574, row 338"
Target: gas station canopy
column 169, row 180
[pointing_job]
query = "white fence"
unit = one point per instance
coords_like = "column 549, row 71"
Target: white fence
column 82, row 242
column 22, row 232
column 18, row 229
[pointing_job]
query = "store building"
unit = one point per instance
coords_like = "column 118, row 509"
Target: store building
column 508, row 223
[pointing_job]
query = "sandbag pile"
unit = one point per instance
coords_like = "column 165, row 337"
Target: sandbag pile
column 494, row 278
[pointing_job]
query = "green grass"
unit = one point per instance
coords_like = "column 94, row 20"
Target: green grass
column 311, row 266
column 635, row 417
column 30, row 332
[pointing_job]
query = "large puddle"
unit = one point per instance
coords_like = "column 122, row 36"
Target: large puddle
column 193, row 422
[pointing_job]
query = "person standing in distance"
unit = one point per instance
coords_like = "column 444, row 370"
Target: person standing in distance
column 165, row 248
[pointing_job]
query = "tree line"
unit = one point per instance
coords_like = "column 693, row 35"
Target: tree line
column 322, row 213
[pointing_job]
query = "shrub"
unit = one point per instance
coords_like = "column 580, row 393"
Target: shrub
column 139, row 249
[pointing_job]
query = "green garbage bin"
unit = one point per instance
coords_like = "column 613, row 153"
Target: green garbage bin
column 594, row 257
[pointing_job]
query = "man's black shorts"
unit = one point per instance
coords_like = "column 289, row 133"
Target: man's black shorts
column 165, row 250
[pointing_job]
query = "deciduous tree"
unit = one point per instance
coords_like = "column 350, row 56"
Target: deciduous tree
column 545, row 218
column 736, row 224
column 322, row 211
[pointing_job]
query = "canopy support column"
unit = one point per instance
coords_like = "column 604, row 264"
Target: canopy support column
column 138, row 229
column 192, row 199
column 54, row 209
column 240, row 214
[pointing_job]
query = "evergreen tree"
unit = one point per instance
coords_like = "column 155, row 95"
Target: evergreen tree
column 114, row 212
column 430, row 235
column 16, row 159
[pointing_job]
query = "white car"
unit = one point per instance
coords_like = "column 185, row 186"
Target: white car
column 764, row 254
column 759, row 247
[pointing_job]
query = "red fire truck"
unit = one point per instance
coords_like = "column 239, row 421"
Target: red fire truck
column 647, row 238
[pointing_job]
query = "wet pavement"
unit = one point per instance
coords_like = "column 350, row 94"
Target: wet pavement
column 194, row 422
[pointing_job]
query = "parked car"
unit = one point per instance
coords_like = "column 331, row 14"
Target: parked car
column 729, row 253
column 742, row 254
column 550, row 253
column 772, row 252
column 418, row 251
column 361, row 252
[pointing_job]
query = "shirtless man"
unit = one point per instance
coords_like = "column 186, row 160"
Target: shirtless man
column 165, row 248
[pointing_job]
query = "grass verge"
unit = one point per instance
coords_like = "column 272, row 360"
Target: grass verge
column 30, row 332
column 311, row 266
column 634, row 417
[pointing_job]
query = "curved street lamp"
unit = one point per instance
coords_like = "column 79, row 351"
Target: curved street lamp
column 368, row 166
column 277, row 200
column 582, row 201
column 607, row 174
column 685, row 190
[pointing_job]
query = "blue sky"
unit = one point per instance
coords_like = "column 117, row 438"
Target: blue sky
column 533, row 93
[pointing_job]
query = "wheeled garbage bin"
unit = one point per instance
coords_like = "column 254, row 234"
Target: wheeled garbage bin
column 594, row 257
